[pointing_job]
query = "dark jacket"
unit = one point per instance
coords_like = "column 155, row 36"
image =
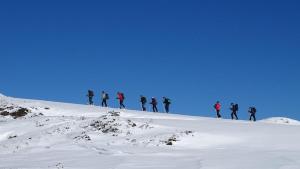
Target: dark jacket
column 143, row 100
column 252, row 110
column 153, row 102
column 90, row 93
column 167, row 101
column 234, row 108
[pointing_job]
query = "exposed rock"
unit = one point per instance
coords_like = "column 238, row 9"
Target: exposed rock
column 83, row 136
column 11, row 137
column 172, row 139
column 113, row 113
column 4, row 113
column 20, row 113
column 130, row 123
column 169, row 143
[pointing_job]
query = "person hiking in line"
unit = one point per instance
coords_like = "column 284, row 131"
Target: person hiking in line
column 217, row 107
column 90, row 95
column 154, row 104
column 143, row 102
column 234, row 109
column 121, row 98
column 252, row 111
column 167, row 103
column 104, row 97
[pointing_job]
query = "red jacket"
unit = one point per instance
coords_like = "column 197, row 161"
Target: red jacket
column 218, row 106
column 120, row 96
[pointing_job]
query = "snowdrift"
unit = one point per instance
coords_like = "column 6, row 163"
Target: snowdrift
column 281, row 120
column 61, row 135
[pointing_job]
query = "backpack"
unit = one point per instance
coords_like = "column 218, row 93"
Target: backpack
column 143, row 100
column 167, row 101
column 106, row 96
column 253, row 110
column 236, row 107
column 90, row 93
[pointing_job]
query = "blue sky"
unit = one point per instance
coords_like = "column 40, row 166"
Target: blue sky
column 195, row 52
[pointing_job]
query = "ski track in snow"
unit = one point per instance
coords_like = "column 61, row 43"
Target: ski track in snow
column 60, row 135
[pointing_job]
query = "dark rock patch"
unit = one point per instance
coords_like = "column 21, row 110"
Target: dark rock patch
column 20, row 113
column 4, row 113
column 83, row 136
column 14, row 111
column 11, row 137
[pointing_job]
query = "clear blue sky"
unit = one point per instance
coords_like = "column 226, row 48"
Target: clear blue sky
column 195, row 52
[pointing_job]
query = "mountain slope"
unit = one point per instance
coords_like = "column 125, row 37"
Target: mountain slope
column 60, row 135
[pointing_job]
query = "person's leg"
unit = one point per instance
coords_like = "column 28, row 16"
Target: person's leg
column 254, row 118
column 91, row 100
column 236, row 116
column 154, row 108
column 218, row 114
column 142, row 104
column 251, row 117
column 105, row 102
column 167, row 108
column 121, row 104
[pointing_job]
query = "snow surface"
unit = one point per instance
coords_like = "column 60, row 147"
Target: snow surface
column 282, row 120
column 60, row 135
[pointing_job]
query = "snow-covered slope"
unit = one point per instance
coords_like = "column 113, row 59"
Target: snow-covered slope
column 59, row 135
column 281, row 120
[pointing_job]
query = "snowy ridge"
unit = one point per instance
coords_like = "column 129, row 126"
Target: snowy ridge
column 61, row 135
column 2, row 96
column 281, row 120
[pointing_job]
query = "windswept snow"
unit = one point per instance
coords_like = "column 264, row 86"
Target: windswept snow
column 281, row 120
column 60, row 135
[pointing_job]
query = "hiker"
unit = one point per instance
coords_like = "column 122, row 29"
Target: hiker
column 252, row 111
column 217, row 106
column 105, row 97
column 143, row 102
column 167, row 103
column 121, row 98
column 154, row 104
column 90, row 95
column 234, row 109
